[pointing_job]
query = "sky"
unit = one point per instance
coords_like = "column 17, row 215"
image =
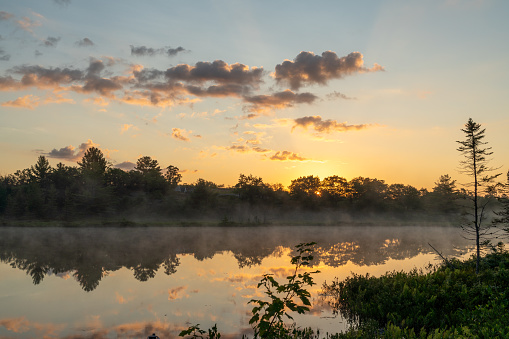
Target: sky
column 276, row 89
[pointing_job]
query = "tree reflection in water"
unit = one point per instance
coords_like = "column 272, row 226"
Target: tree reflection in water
column 90, row 254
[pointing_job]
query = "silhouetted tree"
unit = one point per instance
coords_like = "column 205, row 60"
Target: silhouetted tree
column 475, row 165
column 6, row 184
column 502, row 218
column 41, row 171
column 252, row 189
column 153, row 181
column 93, row 197
column 173, row 176
column 170, row 264
column 93, row 162
column 146, row 164
column 444, row 195
column 403, row 197
column 306, row 190
column 203, row 194
column 369, row 193
column 335, row 189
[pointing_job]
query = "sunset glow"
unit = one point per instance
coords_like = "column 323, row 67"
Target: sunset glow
column 278, row 90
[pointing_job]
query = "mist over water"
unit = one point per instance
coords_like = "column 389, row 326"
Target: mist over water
column 162, row 277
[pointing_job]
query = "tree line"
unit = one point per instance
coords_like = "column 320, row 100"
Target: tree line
column 94, row 188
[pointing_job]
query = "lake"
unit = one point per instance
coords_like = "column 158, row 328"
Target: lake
column 132, row 282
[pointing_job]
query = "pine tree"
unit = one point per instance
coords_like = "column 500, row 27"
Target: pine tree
column 476, row 167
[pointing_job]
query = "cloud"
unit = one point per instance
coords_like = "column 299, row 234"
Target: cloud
column 239, row 148
column 80, row 81
column 174, row 51
column 287, row 156
column 246, row 149
column 22, row 325
column 37, row 53
column 4, row 56
column 85, row 42
column 279, row 100
column 148, row 51
column 27, row 24
column 142, row 51
column 16, row 325
column 226, row 90
column 254, row 138
column 336, row 95
column 180, row 134
column 125, row 127
column 146, row 74
column 308, row 68
column 70, row 153
column 5, row 15
column 177, row 293
column 325, row 126
column 217, row 71
column 261, row 150
column 40, row 77
column 142, row 87
column 126, row 165
column 28, row 101
column 51, row 41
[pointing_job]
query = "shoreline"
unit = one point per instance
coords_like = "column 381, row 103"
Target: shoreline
column 124, row 223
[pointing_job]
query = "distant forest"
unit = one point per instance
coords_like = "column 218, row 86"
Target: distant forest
column 96, row 190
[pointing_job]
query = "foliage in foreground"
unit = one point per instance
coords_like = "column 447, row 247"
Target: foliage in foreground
column 443, row 303
column 268, row 320
column 450, row 302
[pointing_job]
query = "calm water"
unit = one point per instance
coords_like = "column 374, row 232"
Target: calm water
column 131, row 282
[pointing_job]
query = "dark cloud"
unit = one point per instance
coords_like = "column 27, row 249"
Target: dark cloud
column 5, row 15
column 85, row 42
column 148, row 51
column 95, row 67
column 101, row 86
column 308, row 68
column 149, row 74
column 40, row 76
column 8, row 83
column 143, row 51
column 67, row 153
column 51, row 41
column 218, row 90
column 217, row 71
column 336, row 95
column 71, row 153
column 279, row 100
column 4, row 56
column 325, row 126
column 126, row 165
column 81, row 81
column 174, row 51
column 37, row 53
column 287, row 156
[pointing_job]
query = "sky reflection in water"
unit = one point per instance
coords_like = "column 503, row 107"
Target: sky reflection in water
column 131, row 282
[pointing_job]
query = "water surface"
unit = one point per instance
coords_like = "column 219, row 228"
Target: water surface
column 131, row 282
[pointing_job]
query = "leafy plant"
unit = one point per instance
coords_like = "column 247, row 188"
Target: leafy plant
column 268, row 316
column 196, row 332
